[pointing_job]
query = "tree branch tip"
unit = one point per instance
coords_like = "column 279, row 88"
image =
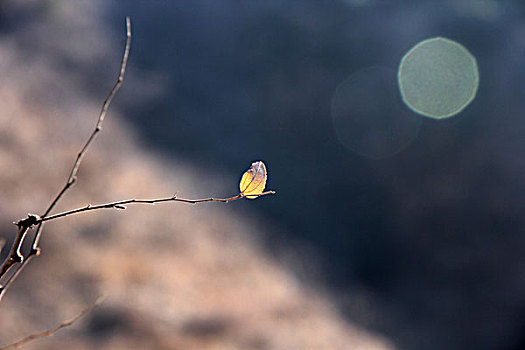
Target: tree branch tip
column 121, row 207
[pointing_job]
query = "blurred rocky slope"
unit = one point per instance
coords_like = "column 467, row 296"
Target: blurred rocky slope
column 177, row 276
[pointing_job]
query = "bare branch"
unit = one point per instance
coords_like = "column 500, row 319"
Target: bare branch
column 15, row 255
column 50, row 332
column 120, row 205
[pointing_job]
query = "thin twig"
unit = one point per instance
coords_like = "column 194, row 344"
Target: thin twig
column 35, row 250
column 121, row 204
column 50, row 332
column 98, row 127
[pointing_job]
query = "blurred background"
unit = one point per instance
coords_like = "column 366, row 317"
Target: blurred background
column 389, row 230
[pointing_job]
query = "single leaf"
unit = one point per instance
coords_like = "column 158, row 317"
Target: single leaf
column 253, row 180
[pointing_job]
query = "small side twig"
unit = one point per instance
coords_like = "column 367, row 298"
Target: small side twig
column 15, row 255
column 52, row 331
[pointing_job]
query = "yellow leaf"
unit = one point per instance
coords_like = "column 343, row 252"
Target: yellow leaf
column 253, row 180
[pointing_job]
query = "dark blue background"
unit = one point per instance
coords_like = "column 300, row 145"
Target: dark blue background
column 432, row 237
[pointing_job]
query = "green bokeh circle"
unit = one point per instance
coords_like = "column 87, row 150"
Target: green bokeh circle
column 438, row 78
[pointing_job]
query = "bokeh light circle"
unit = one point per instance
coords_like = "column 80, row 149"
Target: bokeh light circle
column 438, row 78
column 369, row 117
